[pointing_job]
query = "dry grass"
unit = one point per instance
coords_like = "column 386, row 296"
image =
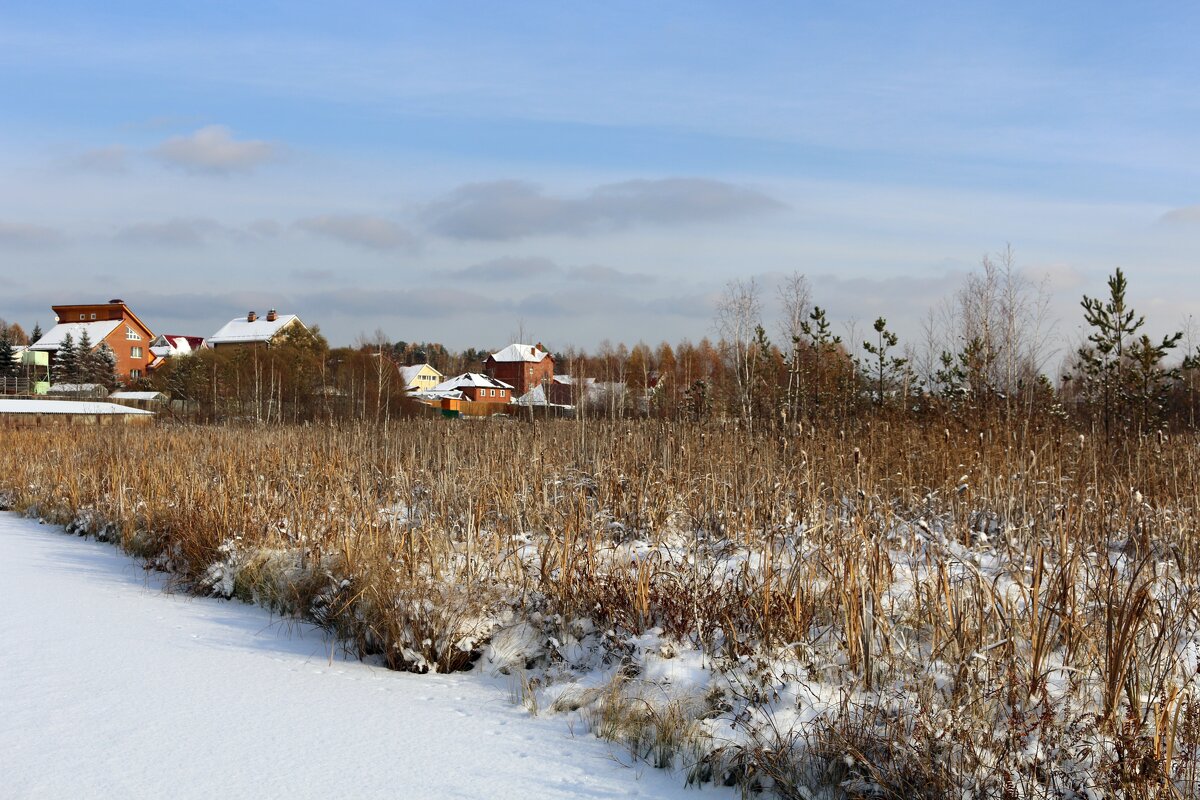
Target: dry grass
column 1004, row 614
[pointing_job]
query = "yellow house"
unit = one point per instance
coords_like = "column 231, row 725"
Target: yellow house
column 420, row 377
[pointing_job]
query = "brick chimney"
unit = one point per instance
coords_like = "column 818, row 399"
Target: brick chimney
column 272, row 316
column 251, row 317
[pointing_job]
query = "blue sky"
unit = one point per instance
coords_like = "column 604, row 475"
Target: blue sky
column 456, row 171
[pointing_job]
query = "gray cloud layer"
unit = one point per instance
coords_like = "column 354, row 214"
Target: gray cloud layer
column 373, row 233
column 212, row 149
column 512, row 209
column 18, row 234
column 1187, row 215
column 520, row 269
column 506, row 269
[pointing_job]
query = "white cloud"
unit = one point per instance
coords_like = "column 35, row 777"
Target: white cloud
column 212, row 149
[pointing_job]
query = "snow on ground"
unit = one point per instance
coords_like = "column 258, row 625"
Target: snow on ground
column 112, row 687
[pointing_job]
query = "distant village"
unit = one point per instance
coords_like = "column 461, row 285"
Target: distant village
column 107, row 360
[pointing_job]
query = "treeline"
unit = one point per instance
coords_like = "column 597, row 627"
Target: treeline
column 984, row 354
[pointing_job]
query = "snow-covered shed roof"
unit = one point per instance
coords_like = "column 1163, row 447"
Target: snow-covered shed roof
column 521, row 352
column 96, row 331
column 470, row 380
column 137, row 396
column 78, row 388
column 65, row 407
column 243, row 331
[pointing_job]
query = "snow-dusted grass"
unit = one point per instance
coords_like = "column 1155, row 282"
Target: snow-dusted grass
column 895, row 611
column 113, row 688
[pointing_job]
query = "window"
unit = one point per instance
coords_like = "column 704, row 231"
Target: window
column 93, row 316
column 131, row 335
column 135, row 352
column 83, row 316
column 134, row 374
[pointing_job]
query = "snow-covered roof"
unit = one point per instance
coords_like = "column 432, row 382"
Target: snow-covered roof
column 520, row 352
column 409, row 374
column 78, row 388
column 470, row 380
column 173, row 345
column 243, row 331
column 65, row 407
column 433, row 394
column 96, row 331
column 137, row 396
column 537, row 397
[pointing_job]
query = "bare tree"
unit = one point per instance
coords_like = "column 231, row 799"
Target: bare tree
column 795, row 298
column 739, row 312
column 1002, row 328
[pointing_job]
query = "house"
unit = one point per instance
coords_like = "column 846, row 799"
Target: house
column 167, row 346
column 477, row 388
column 521, row 365
column 420, row 377
column 253, row 331
column 111, row 324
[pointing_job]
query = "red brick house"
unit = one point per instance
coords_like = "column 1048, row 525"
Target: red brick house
column 522, row 365
column 111, row 324
column 476, row 388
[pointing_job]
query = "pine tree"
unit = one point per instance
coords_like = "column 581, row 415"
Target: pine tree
column 66, row 365
column 1120, row 372
column 85, row 359
column 104, row 367
column 881, row 369
column 823, row 344
column 8, row 365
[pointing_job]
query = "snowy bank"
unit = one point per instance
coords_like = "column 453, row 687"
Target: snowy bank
column 115, row 688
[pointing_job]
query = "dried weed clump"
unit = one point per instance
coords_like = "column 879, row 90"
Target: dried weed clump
column 892, row 611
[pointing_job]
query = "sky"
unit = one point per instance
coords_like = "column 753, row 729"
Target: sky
column 464, row 172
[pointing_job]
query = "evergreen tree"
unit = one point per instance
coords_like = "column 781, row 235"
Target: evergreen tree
column 881, row 369
column 85, row 359
column 823, row 343
column 1120, row 370
column 37, row 333
column 103, row 367
column 1149, row 382
column 66, row 365
column 8, row 365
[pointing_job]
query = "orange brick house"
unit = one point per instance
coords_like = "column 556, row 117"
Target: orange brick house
column 110, row 323
column 522, row 365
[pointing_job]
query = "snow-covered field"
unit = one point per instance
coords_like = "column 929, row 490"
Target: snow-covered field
column 112, row 687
